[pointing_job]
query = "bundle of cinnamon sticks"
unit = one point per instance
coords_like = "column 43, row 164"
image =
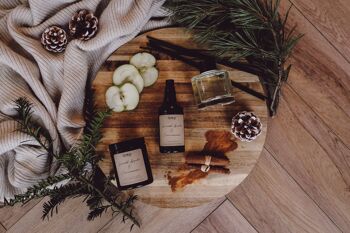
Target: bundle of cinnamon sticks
column 208, row 163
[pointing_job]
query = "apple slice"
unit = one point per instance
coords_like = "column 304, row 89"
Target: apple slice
column 123, row 98
column 140, row 60
column 113, row 99
column 149, row 75
column 145, row 63
column 128, row 73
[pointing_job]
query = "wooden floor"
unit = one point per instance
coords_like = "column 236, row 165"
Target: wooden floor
column 302, row 181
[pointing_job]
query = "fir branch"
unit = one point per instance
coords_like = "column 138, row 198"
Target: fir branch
column 117, row 207
column 97, row 212
column 84, row 151
column 36, row 191
column 60, row 194
column 94, row 201
column 28, row 126
column 75, row 160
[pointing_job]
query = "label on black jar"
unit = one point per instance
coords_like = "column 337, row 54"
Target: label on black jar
column 131, row 168
column 171, row 130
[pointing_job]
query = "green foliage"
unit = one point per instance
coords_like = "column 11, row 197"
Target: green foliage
column 100, row 194
column 248, row 30
column 84, row 151
column 60, row 194
column 39, row 190
column 97, row 212
column 28, row 126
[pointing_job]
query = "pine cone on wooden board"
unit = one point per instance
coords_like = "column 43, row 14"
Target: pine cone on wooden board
column 83, row 25
column 246, row 126
column 54, row 39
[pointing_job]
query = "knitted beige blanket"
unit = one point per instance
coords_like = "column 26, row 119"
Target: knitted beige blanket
column 54, row 83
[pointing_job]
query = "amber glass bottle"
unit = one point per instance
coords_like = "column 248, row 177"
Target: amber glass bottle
column 171, row 122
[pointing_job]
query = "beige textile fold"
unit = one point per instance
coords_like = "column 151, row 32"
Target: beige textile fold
column 54, row 83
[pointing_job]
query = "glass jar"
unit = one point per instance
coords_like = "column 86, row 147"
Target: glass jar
column 211, row 88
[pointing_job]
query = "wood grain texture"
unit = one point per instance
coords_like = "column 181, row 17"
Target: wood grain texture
column 337, row 151
column 331, row 18
column 143, row 122
column 273, row 202
column 313, row 118
column 321, row 76
column 226, row 219
column 307, row 162
column 10, row 215
column 155, row 219
column 71, row 218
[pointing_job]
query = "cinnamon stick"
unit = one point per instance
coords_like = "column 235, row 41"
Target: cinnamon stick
column 213, row 169
column 201, row 159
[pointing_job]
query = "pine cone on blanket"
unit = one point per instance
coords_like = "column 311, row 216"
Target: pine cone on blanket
column 83, row 25
column 246, row 126
column 54, row 39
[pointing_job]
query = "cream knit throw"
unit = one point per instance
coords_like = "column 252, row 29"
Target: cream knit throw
column 54, row 83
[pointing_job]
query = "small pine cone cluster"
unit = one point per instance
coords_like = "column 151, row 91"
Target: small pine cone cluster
column 54, row 39
column 83, row 25
column 246, row 126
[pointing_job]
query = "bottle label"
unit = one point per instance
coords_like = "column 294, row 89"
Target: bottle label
column 171, row 130
column 131, row 168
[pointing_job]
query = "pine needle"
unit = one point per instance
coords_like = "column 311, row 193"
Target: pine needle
column 233, row 30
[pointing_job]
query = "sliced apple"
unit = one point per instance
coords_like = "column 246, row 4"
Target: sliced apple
column 123, row 98
column 145, row 63
column 128, row 73
column 149, row 75
column 113, row 99
column 140, row 60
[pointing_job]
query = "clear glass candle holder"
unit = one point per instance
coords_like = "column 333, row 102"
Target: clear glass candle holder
column 211, row 88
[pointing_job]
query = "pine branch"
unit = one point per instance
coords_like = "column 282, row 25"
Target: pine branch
column 233, row 30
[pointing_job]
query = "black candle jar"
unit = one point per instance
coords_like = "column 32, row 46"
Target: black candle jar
column 131, row 164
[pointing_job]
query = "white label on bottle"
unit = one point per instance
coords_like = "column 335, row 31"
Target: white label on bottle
column 171, row 130
column 131, row 167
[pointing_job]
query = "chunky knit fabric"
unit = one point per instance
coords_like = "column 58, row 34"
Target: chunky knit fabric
column 54, row 83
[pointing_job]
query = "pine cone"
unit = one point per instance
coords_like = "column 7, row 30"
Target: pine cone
column 54, row 39
column 246, row 126
column 83, row 25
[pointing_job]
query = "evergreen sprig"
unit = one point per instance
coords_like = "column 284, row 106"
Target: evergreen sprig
column 100, row 194
column 41, row 189
column 84, row 152
column 59, row 194
column 30, row 127
column 97, row 212
column 242, row 30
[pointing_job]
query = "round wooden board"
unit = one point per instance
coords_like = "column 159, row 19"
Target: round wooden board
column 143, row 122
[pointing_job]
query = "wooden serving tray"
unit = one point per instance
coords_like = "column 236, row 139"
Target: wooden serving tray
column 143, row 122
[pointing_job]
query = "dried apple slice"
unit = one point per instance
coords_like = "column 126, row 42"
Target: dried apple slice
column 123, row 98
column 128, row 73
